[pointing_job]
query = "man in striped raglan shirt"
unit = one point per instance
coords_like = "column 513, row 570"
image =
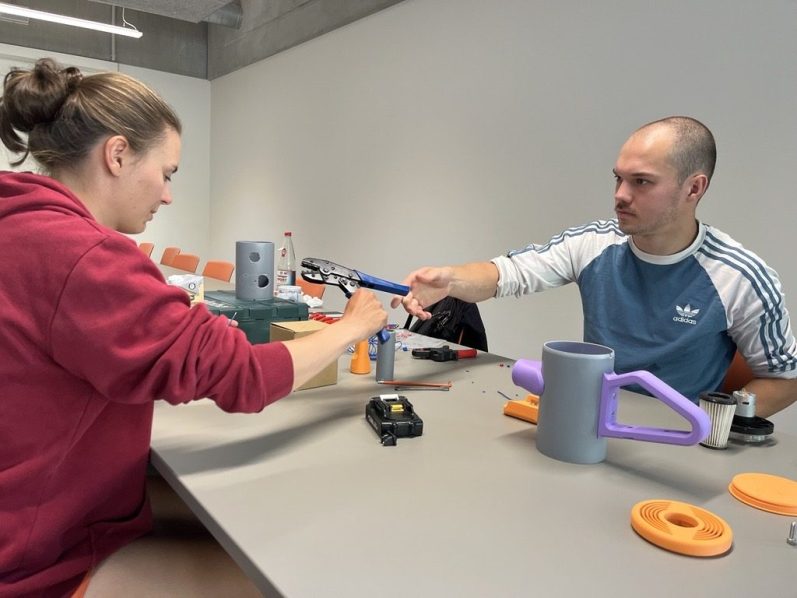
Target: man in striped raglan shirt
column 668, row 293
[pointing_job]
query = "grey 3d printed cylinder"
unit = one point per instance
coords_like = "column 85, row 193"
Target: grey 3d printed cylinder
column 386, row 358
column 254, row 270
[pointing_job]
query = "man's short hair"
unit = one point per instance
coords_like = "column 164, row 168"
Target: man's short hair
column 693, row 149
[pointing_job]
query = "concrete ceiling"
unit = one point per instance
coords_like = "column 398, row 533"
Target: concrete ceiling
column 185, row 36
column 193, row 11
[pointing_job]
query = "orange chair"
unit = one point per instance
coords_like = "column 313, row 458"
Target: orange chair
column 218, row 269
column 739, row 374
column 311, row 288
column 147, row 248
column 185, row 261
column 168, row 255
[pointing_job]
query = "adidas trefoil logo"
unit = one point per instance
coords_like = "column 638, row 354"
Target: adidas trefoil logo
column 686, row 314
column 686, row 311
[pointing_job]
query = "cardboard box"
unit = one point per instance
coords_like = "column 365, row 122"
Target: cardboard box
column 285, row 331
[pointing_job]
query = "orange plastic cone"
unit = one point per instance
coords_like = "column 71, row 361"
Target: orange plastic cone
column 360, row 361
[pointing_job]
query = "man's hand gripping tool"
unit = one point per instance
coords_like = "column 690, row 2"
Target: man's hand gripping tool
column 325, row 272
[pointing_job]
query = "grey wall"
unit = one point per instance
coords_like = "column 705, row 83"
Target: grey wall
column 440, row 131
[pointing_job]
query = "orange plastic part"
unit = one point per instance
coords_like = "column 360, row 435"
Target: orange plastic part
column 360, row 360
column 770, row 493
column 681, row 527
column 525, row 409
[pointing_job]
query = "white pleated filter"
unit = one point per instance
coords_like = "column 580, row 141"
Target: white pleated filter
column 721, row 419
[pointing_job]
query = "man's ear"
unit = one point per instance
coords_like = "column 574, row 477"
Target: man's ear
column 698, row 184
column 116, row 154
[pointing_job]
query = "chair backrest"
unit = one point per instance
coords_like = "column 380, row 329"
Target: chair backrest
column 455, row 321
column 168, row 255
column 185, row 261
column 146, row 248
column 219, row 270
column 311, row 288
column 739, row 374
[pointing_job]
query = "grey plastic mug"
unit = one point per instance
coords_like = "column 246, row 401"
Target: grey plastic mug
column 578, row 402
column 567, row 424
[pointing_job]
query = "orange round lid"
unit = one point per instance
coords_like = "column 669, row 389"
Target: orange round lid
column 766, row 492
column 681, row 527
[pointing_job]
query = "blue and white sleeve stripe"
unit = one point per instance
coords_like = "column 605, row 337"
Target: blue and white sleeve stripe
column 774, row 331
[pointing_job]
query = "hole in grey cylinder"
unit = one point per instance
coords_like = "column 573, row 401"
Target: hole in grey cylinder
column 254, row 256
column 262, row 281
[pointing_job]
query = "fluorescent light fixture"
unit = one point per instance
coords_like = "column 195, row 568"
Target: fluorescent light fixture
column 18, row 11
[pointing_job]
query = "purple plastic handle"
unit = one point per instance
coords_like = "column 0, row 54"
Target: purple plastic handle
column 527, row 374
column 607, row 421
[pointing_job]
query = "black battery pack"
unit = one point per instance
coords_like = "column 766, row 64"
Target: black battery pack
column 393, row 417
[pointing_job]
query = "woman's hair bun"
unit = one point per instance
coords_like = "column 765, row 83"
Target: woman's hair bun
column 34, row 97
column 73, row 78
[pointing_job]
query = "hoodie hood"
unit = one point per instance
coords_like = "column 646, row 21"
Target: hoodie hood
column 28, row 192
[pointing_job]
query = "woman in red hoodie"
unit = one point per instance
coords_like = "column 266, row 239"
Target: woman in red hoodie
column 86, row 351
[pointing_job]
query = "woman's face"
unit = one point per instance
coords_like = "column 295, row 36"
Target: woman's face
column 145, row 185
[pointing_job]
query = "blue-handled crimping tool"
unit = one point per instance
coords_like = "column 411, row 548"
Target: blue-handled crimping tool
column 325, row 272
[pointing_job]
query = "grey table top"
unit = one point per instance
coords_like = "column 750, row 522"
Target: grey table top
column 309, row 503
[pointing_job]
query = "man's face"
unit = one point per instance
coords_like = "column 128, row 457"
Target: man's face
column 146, row 185
column 648, row 198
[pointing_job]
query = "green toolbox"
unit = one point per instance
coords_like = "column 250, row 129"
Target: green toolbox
column 254, row 317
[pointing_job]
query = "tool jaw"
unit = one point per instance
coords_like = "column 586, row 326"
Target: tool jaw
column 325, row 272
